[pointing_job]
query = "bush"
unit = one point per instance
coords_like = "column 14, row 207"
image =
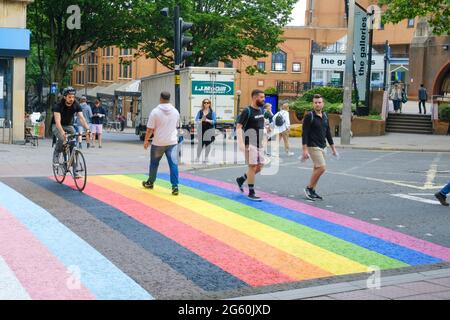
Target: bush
column 444, row 112
column 301, row 107
column 330, row 94
column 270, row 91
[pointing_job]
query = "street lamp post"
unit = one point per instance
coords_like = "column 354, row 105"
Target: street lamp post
column 347, row 110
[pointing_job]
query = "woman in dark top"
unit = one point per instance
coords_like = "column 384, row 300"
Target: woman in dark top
column 206, row 123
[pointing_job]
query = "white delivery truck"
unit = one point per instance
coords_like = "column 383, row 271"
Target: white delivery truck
column 197, row 84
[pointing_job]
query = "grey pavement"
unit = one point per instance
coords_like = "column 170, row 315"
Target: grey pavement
column 427, row 285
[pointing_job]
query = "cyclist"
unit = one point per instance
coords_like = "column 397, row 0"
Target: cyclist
column 62, row 121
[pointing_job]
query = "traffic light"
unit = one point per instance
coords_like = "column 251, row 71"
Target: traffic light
column 185, row 40
column 180, row 39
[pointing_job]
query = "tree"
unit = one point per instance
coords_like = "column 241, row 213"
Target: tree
column 58, row 43
column 437, row 11
column 223, row 30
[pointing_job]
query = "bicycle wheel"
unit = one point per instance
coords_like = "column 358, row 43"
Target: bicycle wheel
column 60, row 171
column 79, row 171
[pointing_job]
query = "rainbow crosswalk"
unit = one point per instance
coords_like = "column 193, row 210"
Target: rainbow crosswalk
column 120, row 241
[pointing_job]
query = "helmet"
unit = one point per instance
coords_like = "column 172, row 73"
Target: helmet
column 69, row 90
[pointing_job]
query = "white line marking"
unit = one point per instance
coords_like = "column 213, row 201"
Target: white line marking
column 375, row 219
column 421, row 194
column 428, row 234
column 400, row 226
column 405, row 196
column 431, row 173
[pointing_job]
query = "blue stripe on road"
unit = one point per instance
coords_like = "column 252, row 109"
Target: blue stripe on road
column 203, row 273
column 388, row 249
column 98, row 274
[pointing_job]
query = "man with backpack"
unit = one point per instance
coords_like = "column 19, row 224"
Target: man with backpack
column 316, row 133
column 250, row 135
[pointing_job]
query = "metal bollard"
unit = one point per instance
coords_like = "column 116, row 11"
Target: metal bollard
column 10, row 132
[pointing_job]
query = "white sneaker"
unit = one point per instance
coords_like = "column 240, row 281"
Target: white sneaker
column 290, row 154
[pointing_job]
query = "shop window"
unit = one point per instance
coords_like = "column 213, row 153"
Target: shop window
column 410, row 23
column 279, row 61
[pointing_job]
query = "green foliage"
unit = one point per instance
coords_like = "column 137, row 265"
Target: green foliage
column 270, row 91
column 222, row 31
column 301, row 107
column 330, row 94
column 372, row 117
column 444, row 112
column 437, row 12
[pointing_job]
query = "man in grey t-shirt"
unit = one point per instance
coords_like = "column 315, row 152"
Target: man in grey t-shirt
column 87, row 113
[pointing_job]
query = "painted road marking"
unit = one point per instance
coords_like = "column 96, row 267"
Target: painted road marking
column 413, row 198
column 10, row 286
column 97, row 273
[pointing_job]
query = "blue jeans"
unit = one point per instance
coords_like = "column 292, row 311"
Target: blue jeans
column 446, row 190
column 156, row 155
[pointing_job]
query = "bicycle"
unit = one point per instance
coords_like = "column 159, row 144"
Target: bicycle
column 71, row 161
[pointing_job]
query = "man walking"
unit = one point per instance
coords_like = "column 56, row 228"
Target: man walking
column 442, row 195
column 163, row 124
column 98, row 117
column 316, row 130
column 423, row 97
column 87, row 113
column 250, row 135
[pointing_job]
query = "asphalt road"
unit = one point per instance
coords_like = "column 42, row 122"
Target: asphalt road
column 389, row 189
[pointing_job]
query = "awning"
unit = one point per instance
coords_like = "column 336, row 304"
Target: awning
column 130, row 89
column 108, row 92
column 91, row 92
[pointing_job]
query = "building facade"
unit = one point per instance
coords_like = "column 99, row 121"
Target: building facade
column 291, row 67
column 14, row 48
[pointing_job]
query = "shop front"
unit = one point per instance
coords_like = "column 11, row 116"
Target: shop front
column 328, row 70
column 14, row 49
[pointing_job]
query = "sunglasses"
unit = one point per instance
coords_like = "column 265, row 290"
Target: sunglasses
column 207, row 102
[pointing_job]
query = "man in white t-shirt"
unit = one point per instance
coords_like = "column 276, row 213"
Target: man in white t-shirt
column 163, row 124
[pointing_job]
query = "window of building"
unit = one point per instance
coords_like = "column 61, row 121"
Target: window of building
column 125, row 52
column 261, row 65
column 228, row 64
column 296, row 67
column 126, row 71
column 108, row 72
column 410, row 23
column 92, row 57
column 317, row 76
column 92, row 74
column 279, row 61
column 108, row 52
column 79, row 77
column 381, row 25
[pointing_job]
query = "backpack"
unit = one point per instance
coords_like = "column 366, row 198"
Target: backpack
column 244, row 126
column 324, row 114
column 279, row 120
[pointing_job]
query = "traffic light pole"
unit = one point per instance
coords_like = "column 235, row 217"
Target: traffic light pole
column 177, row 47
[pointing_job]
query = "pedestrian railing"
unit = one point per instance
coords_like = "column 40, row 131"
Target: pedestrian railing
column 6, row 129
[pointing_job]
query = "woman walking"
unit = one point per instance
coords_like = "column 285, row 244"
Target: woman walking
column 282, row 127
column 396, row 97
column 206, row 124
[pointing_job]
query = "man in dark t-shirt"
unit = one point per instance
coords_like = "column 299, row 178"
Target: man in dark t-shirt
column 62, row 121
column 250, row 134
